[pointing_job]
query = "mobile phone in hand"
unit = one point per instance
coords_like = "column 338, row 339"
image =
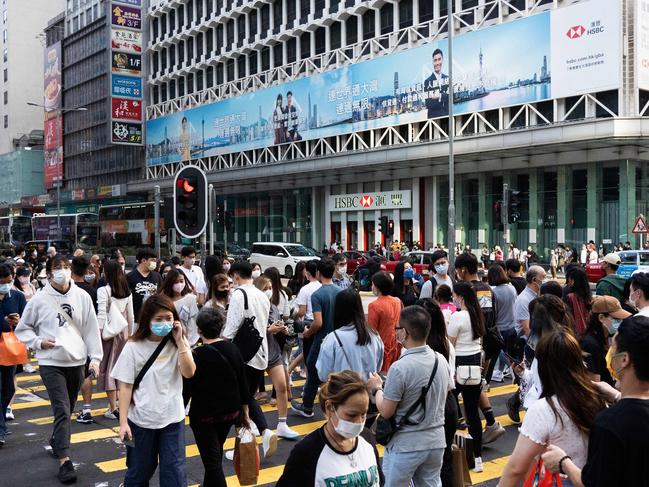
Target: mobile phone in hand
column 129, row 442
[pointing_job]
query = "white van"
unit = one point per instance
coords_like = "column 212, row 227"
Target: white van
column 281, row 255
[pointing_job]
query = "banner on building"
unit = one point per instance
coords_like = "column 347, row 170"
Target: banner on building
column 53, row 123
column 642, row 43
column 126, row 133
column 385, row 200
column 505, row 65
column 126, row 86
column 129, row 17
column 126, row 109
column 126, row 40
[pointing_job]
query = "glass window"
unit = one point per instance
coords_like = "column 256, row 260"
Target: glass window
column 6, row 97
column 644, row 258
column 628, row 257
column 297, row 250
column 6, row 121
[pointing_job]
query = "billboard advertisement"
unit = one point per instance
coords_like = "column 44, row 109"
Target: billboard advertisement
column 126, row 63
column 126, row 40
column 642, row 43
column 130, row 17
column 53, row 123
column 126, row 109
column 126, row 133
column 126, row 86
column 500, row 66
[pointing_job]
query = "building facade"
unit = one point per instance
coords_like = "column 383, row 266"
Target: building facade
column 22, row 175
column 22, row 82
column 574, row 151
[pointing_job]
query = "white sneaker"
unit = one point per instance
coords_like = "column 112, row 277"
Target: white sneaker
column 497, row 376
column 269, row 443
column 492, row 433
column 478, row 465
column 254, row 429
column 29, row 368
column 229, row 455
column 9, row 414
column 283, row 431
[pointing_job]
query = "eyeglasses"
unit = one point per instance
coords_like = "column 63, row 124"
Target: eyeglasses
column 399, row 328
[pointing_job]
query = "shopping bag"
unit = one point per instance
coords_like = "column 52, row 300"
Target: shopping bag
column 464, row 441
column 461, row 473
column 540, row 477
column 246, row 457
column 12, row 350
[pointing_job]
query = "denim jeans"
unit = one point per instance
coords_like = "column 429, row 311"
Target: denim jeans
column 312, row 380
column 423, row 467
column 7, row 390
column 167, row 443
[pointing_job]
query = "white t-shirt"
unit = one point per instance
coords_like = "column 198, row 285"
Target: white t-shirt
column 304, row 298
column 158, row 401
column 196, row 278
column 459, row 327
column 542, row 426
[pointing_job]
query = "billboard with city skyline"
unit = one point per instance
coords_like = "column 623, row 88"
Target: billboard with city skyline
column 504, row 65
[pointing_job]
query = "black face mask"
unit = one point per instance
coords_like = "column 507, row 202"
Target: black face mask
column 221, row 294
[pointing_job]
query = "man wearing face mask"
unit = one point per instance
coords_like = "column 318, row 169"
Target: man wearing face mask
column 438, row 271
column 193, row 273
column 143, row 280
column 416, row 449
column 611, row 284
column 60, row 324
column 12, row 305
column 341, row 279
column 618, row 440
column 639, row 295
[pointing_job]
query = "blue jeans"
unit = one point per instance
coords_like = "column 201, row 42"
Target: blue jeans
column 142, row 460
column 423, row 467
column 312, row 380
column 7, row 390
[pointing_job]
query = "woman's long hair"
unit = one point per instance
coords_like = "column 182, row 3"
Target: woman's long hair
column 116, row 279
column 348, row 310
column 273, row 274
column 167, row 287
column 580, row 285
column 596, row 329
column 466, row 292
column 155, row 303
column 437, row 337
column 564, row 375
column 397, row 290
column 549, row 313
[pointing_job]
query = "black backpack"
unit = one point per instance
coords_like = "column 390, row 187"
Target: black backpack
column 248, row 340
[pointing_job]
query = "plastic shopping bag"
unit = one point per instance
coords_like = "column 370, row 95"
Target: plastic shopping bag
column 539, row 476
column 246, row 457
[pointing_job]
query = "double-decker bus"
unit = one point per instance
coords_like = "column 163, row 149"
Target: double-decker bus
column 129, row 225
column 15, row 230
column 81, row 229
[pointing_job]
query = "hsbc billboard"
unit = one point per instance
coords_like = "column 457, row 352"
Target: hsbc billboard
column 386, row 200
column 586, row 48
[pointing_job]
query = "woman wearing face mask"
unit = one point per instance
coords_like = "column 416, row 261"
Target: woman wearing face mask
column 115, row 293
column 605, row 318
column 226, row 265
column 153, row 415
column 404, row 285
column 176, row 287
column 219, row 293
column 256, row 271
column 465, row 331
column 565, row 413
column 41, row 277
column 275, row 368
column 341, row 447
column 62, row 344
column 383, row 316
column 23, row 282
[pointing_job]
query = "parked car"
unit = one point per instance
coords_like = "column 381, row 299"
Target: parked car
column 354, row 260
column 235, row 252
column 631, row 262
column 420, row 260
column 283, row 256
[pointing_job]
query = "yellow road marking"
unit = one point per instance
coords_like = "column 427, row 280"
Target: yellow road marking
column 45, row 402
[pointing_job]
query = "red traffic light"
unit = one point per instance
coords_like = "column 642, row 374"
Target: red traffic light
column 186, row 185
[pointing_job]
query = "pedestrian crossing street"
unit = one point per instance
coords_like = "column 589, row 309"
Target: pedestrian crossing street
column 101, row 458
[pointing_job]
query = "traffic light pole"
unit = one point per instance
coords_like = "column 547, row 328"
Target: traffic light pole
column 156, row 219
column 504, row 215
column 225, row 226
column 210, row 207
column 451, row 133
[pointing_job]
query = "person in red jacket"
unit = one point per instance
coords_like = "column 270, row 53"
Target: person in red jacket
column 383, row 316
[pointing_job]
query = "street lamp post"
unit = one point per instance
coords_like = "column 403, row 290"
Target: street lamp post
column 451, row 134
column 60, row 111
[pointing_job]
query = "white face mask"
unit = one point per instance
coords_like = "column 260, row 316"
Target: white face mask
column 152, row 266
column 348, row 429
column 61, row 276
column 226, row 267
column 268, row 293
column 178, row 287
column 342, row 270
column 441, row 269
column 255, row 274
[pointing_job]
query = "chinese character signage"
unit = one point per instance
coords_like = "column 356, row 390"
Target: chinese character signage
column 126, row 86
column 126, row 48
column 388, row 200
column 126, row 17
column 53, row 122
column 575, row 49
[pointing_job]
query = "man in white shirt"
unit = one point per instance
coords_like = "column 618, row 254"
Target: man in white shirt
column 303, row 300
column 639, row 295
column 259, row 307
column 193, row 273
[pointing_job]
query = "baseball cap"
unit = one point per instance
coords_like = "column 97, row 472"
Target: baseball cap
column 612, row 259
column 609, row 305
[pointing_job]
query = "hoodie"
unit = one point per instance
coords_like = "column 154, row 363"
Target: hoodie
column 42, row 321
column 611, row 285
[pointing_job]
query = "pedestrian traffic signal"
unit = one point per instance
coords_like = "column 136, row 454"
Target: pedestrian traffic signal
column 219, row 214
column 229, row 220
column 391, row 228
column 383, row 225
column 514, row 205
column 190, row 202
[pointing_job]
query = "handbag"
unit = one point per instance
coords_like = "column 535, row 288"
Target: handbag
column 247, row 339
column 539, row 476
column 461, row 472
column 68, row 339
column 12, row 350
column 468, row 375
column 246, row 457
column 387, row 428
column 115, row 321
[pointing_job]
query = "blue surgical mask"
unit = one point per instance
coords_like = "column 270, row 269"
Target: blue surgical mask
column 161, row 328
column 615, row 324
column 441, row 269
column 5, row 288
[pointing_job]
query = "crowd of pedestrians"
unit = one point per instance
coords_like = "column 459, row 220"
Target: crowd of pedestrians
column 168, row 340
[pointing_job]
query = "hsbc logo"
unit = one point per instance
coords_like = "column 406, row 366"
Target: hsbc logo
column 366, row 201
column 578, row 31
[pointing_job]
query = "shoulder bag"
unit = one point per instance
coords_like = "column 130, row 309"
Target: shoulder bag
column 247, row 339
column 12, row 350
column 115, row 321
column 387, row 428
column 343, row 349
column 149, row 362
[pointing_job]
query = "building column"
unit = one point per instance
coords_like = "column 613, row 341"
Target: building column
column 430, row 212
column 416, row 212
column 536, row 189
column 484, row 206
column 377, row 216
column 396, row 215
column 628, row 203
column 564, row 201
column 284, row 16
column 327, row 214
column 343, row 230
column 593, row 200
column 460, row 231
